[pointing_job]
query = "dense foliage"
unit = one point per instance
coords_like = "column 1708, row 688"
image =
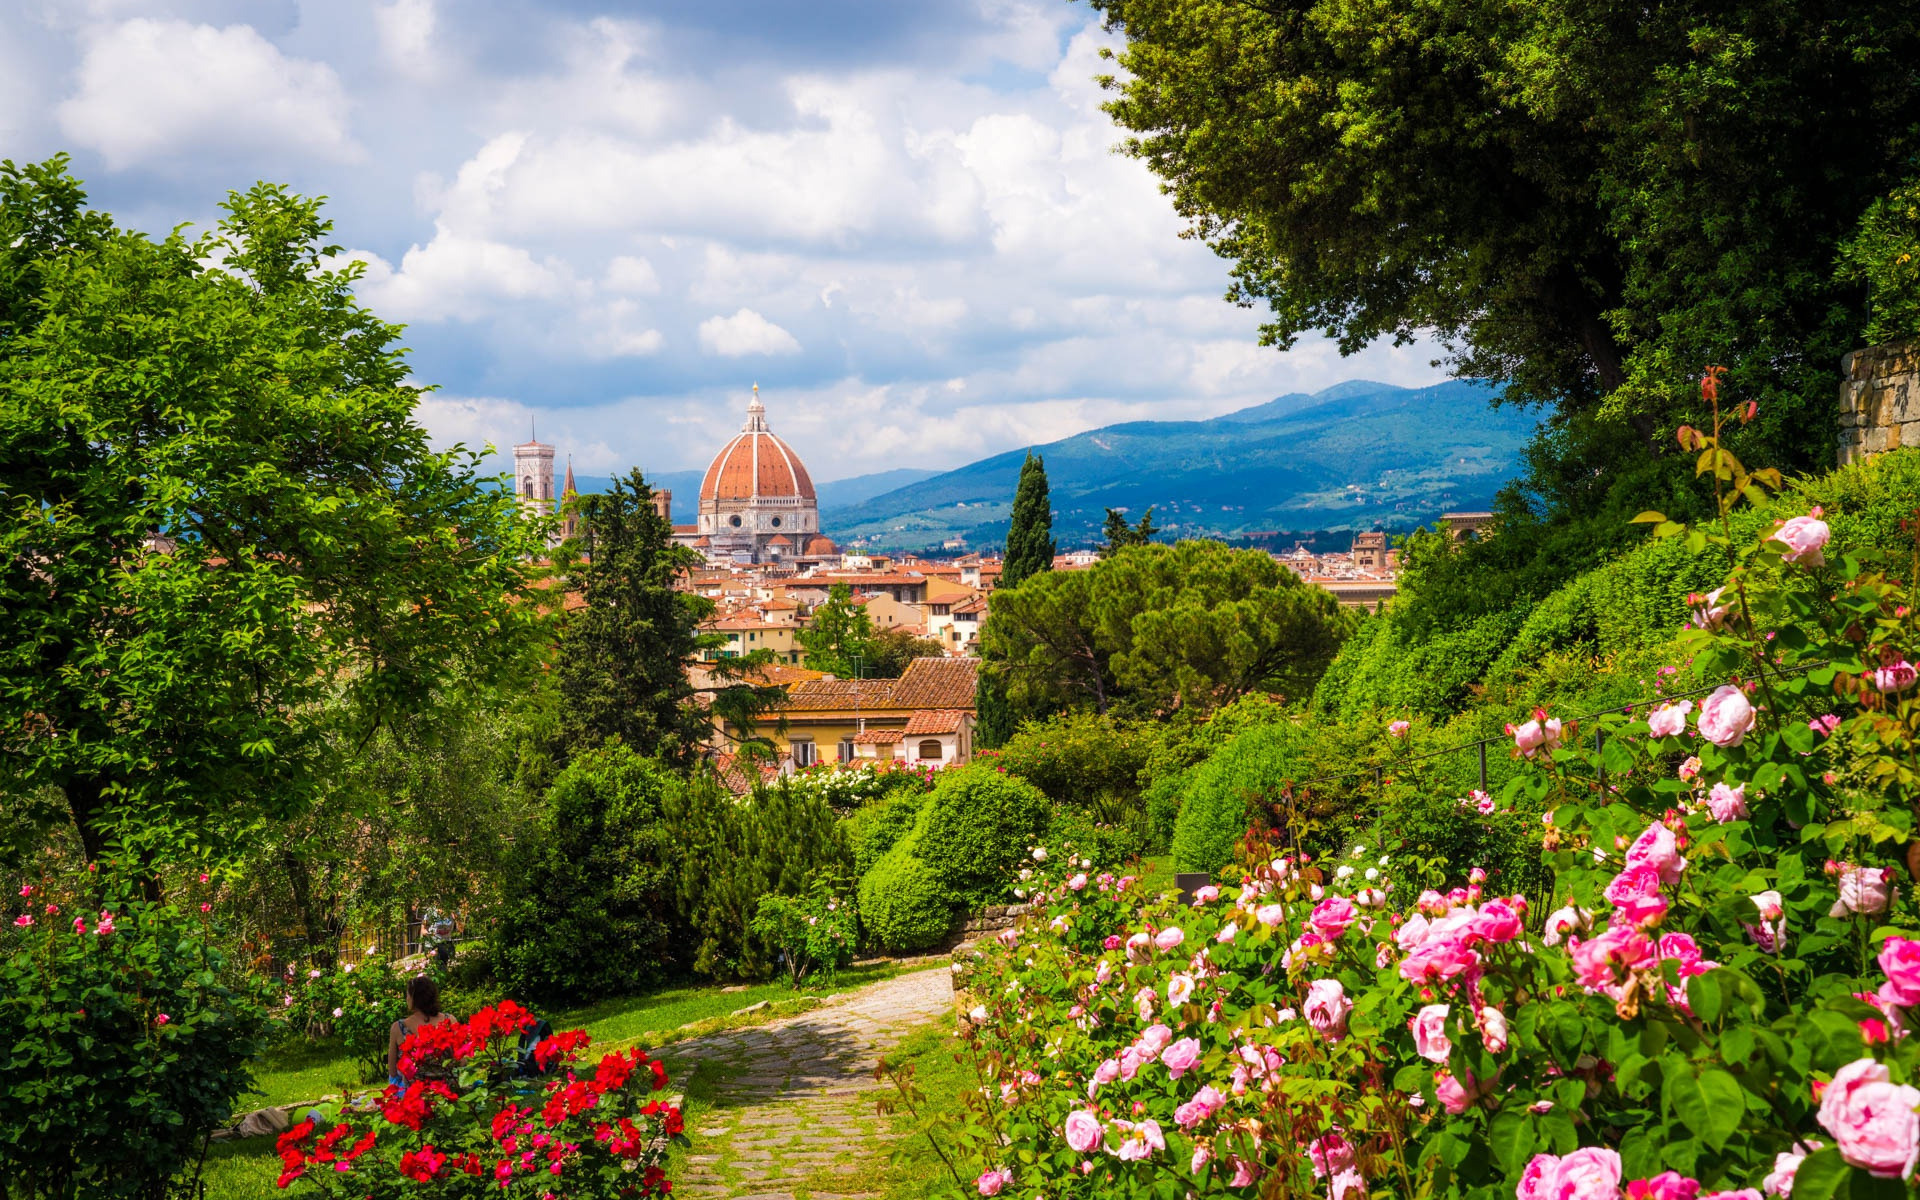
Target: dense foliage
column 1030, row 535
column 1586, row 203
column 124, row 1042
column 841, row 640
column 205, row 445
column 1154, row 629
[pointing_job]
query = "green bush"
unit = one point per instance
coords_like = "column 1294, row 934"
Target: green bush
column 731, row 852
column 975, row 828
column 355, row 1003
column 122, row 1045
column 817, row 932
column 903, row 904
column 873, row 830
column 591, row 912
column 1216, row 806
column 1084, row 760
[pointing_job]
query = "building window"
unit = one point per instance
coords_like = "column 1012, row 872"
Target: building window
column 846, row 749
column 804, row 753
column 526, row 488
column 776, row 522
column 734, row 520
column 931, row 749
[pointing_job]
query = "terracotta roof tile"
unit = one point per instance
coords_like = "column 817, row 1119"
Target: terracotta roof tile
column 938, row 683
column 935, row 720
column 878, row 737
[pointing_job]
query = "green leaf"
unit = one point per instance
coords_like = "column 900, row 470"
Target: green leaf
column 1648, row 518
column 1511, row 1137
column 1703, row 996
column 1821, row 1176
column 1726, row 1104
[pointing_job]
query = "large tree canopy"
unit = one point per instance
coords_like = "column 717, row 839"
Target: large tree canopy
column 226, row 548
column 1587, row 201
column 1157, row 628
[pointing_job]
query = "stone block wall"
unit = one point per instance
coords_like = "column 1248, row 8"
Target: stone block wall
column 1879, row 400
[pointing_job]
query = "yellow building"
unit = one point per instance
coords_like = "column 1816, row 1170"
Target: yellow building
column 746, row 634
column 925, row 716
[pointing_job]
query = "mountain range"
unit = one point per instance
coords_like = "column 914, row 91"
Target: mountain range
column 1353, row 456
column 835, row 493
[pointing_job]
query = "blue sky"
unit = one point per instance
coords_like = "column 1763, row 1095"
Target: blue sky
column 902, row 218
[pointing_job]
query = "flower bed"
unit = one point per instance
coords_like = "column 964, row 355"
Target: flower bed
column 468, row 1121
column 1718, row 1004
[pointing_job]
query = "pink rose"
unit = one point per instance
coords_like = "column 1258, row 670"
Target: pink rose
column 1327, row 1007
column 1727, row 803
column 1804, row 538
column 1179, row 989
column 1331, row 1154
column 1589, row 1173
column 1684, row 951
column 990, row 1183
column 1669, row 720
column 1270, row 914
column 1497, row 922
column 1601, row 962
column 1206, row 895
column 1824, row 726
column 1347, row 1185
column 1564, row 921
column 1786, row 1164
column 1105, row 1073
column 1202, row 1155
column 1536, row 1182
column 1439, row 961
column 1155, row 1038
column 1667, row 1185
column 1077, row 882
column 1690, row 769
column 1541, row 732
column 1135, row 1141
column 1635, row 892
column 1332, row 916
column 1708, row 612
column 1895, row 676
column 1412, row 932
column 1082, row 1130
column 1872, row 1119
column 1900, row 959
column 1726, row 717
column 1399, row 728
column 162, row 1019
column 1430, row 1033
column 1656, row 847
column 1493, row 1028
column 1169, row 937
column 1181, row 1056
column 1863, row 890
column 1453, row 1096
column 1204, row 1104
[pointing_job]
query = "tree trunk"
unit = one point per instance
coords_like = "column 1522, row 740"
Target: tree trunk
column 322, row 937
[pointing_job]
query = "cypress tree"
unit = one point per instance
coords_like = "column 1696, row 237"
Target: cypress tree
column 624, row 653
column 1030, row 536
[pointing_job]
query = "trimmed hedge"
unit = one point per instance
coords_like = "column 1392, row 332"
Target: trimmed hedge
column 902, row 905
column 975, row 828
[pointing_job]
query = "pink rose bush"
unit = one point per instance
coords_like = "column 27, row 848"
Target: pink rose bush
column 1716, row 997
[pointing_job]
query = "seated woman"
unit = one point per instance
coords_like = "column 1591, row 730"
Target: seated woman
column 423, row 1008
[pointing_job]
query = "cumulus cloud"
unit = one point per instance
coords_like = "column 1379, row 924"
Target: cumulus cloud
column 152, row 89
column 745, row 332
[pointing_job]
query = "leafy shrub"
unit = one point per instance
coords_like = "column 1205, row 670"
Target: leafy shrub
column 1181, row 749
column 975, row 828
column 849, row 786
column 1884, row 256
column 357, row 1003
column 873, row 830
column 122, row 1045
column 1082, row 759
column 903, row 904
column 815, row 932
column 733, row 851
column 1221, row 791
column 467, row 1123
column 591, row 911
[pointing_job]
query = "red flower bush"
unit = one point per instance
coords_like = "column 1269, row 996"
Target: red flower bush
column 467, row 1123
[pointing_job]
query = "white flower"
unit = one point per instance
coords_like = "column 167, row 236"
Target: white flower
column 339, row 1012
column 1039, row 854
column 1343, row 872
column 1373, row 873
column 349, row 968
column 1383, row 860
column 1359, row 850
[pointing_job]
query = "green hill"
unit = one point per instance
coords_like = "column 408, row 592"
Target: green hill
column 1349, row 457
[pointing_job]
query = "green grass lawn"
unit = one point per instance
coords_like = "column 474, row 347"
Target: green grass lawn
column 290, row 1075
column 1155, row 873
column 920, row 1163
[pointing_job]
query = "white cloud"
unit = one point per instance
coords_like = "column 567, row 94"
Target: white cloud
column 460, row 277
column 631, row 275
column 405, row 29
column 149, row 90
column 745, row 332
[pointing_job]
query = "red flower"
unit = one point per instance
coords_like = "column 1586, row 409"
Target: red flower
column 422, row 1165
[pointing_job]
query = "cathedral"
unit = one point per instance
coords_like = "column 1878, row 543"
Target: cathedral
column 756, row 501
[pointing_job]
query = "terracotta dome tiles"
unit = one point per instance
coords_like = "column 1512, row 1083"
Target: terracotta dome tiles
column 756, row 463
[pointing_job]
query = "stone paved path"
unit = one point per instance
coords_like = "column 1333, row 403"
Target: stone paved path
column 793, row 1116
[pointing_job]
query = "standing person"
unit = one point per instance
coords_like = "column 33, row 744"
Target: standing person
column 423, row 1008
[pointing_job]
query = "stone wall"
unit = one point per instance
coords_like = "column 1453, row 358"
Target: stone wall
column 1879, row 400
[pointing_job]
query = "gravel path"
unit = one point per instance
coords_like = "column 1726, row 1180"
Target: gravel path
column 793, row 1116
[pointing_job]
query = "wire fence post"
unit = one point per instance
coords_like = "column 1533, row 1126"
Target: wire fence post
column 1599, row 744
column 1483, row 764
